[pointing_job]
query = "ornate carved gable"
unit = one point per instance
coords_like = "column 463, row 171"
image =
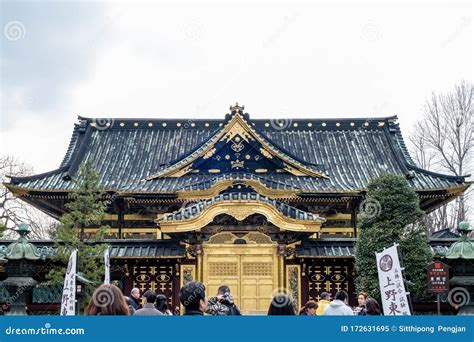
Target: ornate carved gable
column 238, row 147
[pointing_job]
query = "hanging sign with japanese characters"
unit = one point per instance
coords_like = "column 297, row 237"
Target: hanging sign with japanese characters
column 107, row 266
column 68, row 301
column 438, row 277
column 392, row 288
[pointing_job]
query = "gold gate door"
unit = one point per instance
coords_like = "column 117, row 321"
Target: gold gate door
column 251, row 272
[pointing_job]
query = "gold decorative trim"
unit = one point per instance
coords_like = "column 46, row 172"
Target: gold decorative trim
column 297, row 302
column 223, row 184
column 251, row 238
column 186, row 269
column 239, row 210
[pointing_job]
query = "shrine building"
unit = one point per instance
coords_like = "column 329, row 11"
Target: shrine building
column 259, row 205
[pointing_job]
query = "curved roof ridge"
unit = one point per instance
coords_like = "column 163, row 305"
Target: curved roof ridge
column 201, row 119
column 78, row 129
column 194, row 210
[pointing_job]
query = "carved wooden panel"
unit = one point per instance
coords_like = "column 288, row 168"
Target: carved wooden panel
column 330, row 275
column 294, row 285
column 155, row 277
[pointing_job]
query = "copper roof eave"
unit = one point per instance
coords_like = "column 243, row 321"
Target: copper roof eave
column 18, row 190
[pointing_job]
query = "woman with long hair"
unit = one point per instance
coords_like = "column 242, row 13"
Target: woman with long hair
column 162, row 305
column 107, row 300
column 372, row 308
column 309, row 309
column 281, row 305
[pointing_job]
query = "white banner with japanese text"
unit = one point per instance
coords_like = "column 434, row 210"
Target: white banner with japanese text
column 392, row 288
column 107, row 266
column 68, row 301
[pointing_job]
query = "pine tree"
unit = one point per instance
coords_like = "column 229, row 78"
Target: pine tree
column 396, row 219
column 87, row 208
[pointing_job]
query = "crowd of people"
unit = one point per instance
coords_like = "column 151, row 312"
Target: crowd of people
column 109, row 300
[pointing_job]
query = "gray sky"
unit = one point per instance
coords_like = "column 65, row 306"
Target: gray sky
column 60, row 60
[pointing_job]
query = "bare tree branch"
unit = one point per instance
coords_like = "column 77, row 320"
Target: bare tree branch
column 443, row 141
column 13, row 211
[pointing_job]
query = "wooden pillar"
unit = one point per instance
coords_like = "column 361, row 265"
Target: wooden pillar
column 354, row 218
column 119, row 207
column 120, row 220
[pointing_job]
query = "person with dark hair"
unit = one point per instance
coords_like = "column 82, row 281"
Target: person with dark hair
column 281, row 305
column 193, row 297
column 162, row 305
column 149, row 306
column 309, row 309
column 372, row 308
column 361, row 300
column 323, row 303
column 338, row 306
column 107, row 300
column 223, row 303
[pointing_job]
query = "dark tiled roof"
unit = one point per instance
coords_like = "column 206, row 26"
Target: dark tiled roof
column 345, row 247
column 125, row 153
column 127, row 248
column 326, row 248
column 147, row 249
column 194, row 210
column 444, row 234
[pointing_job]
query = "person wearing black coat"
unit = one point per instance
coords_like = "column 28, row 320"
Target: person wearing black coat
column 193, row 297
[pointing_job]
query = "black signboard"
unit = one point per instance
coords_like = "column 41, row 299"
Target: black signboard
column 438, row 277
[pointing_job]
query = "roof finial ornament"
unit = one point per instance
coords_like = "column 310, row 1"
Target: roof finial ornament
column 236, row 109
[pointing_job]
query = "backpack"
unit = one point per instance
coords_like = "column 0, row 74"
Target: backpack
column 233, row 311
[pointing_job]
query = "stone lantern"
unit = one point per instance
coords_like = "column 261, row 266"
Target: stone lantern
column 461, row 258
column 19, row 258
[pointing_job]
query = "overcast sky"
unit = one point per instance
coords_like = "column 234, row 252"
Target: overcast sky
column 60, row 60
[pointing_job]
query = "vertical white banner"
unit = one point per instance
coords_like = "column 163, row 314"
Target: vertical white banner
column 392, row 288
column 68, row 301
column 107, row 266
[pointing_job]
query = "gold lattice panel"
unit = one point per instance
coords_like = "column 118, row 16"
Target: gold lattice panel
column 257, row 269
column 223, row 269
column 257, row 237
column 221, row 238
